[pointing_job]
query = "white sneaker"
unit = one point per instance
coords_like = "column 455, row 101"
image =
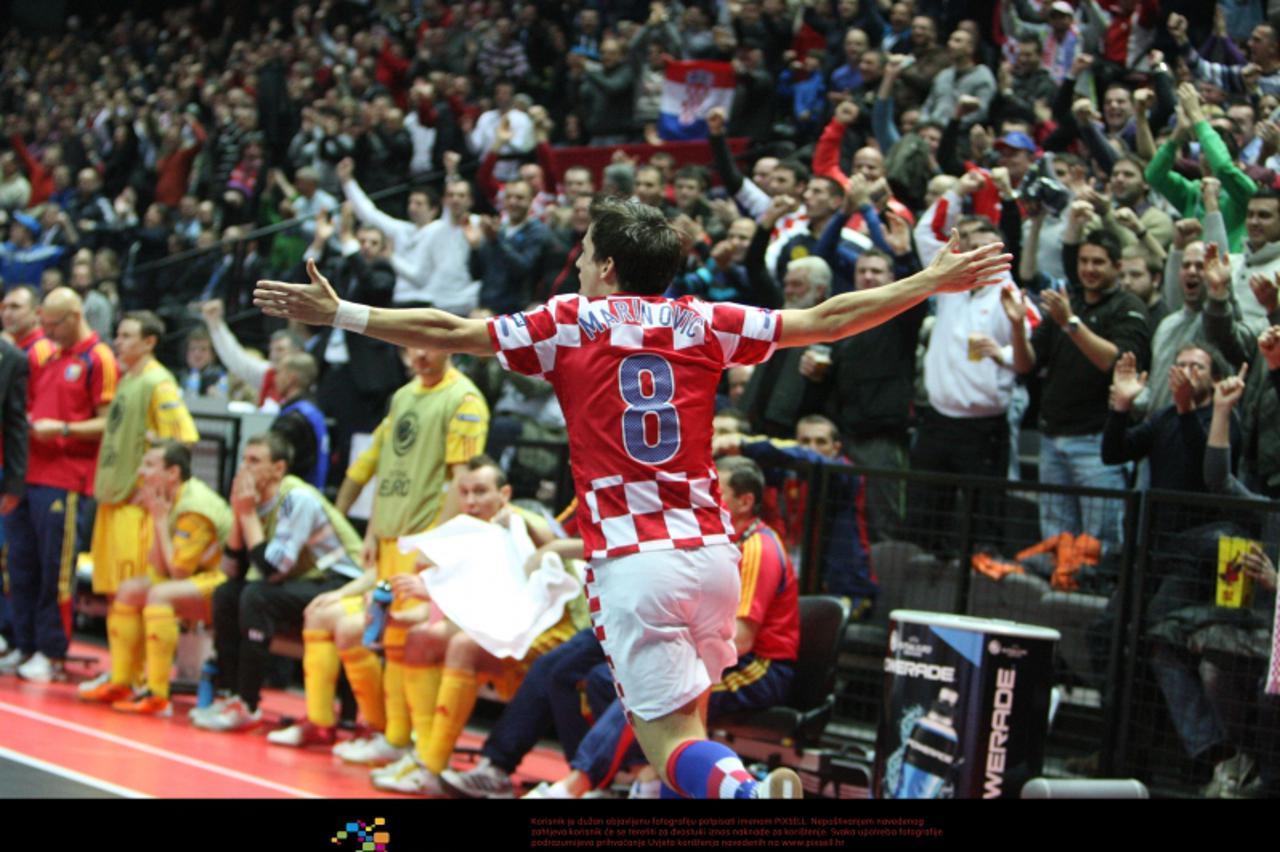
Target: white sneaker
column 87, row 686
column 234, row 716
column 415, row 779
column 370, row 751
column 38, row 669
column 781, row 783
column 198, row 715
column 9, row 662
column 4, row 645
column 486, row 781
column 391, row 770
column 549, row 791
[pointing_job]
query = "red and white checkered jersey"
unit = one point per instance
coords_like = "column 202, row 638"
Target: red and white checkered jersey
column 636, row 378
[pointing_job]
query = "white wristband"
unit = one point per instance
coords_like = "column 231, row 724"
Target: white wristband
column 351, row 317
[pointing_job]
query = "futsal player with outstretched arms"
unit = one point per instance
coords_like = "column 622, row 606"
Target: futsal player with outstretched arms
column 635, row 374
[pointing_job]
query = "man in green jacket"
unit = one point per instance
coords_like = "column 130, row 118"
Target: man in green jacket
column 1215, row 156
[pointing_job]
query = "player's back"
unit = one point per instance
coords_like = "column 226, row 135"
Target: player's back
column 636, row 378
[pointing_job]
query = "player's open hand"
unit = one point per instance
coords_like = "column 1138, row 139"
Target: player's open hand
column 314, row 303
column 958, row 271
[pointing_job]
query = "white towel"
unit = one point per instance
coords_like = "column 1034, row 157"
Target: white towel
column 479, row 583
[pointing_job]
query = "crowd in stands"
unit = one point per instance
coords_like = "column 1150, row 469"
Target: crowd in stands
column 1126, row 152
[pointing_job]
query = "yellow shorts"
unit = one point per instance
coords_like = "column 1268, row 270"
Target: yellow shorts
column 509, row 679
column 121, row 541
column 207, row 581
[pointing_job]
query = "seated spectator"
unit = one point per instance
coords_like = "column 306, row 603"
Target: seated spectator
column 287, row 545
column 189, row 525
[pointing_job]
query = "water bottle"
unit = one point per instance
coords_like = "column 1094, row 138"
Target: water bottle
column 205, row 689
column 378, row 610
column 931, row 751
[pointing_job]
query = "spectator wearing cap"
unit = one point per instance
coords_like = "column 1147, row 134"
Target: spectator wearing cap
column 964, row 77
column 21, row 260
column 1017, row 152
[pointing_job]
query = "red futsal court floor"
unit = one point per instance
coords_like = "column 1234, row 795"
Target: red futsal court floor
column 53, row 744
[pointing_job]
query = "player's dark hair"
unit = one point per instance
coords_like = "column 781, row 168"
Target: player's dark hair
column 798, row 169
column 278, row 447
column 1104, row 240
column 150, row 324
column 697, row 173
column 744, row 476
column 646, row 251
column 818, row 419
column 833, row 185
column 1266, row 193
column 176, row 454
column 482, row 461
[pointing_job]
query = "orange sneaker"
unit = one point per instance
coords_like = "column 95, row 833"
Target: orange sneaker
column 145, row 704
column 107, row 693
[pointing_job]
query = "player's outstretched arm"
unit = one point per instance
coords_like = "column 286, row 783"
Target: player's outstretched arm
column 850, row 313
column 316, row 303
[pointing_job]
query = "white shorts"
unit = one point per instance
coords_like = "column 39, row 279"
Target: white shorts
column 666, row 621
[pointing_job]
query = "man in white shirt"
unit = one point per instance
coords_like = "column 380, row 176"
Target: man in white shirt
column 409, row 242
column 969, row 379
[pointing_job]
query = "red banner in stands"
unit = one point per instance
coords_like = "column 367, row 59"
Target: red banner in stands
column 596, row 158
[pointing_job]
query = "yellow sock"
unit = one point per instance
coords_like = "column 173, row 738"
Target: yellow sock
column 365, row 674
column 397, row 710
column 124, row 638
column 457, row 699
column 421, row 691
column 320, row 675
column 161, row 645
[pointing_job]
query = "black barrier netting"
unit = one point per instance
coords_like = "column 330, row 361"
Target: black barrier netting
column 979, row 547
column 1196, row 719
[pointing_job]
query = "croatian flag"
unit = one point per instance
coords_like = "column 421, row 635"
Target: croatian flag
column 691, row 90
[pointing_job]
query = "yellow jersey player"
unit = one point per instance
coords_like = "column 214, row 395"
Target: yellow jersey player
column 147, row 407
column 444, row 667
column 414, row 468
column 189, row 525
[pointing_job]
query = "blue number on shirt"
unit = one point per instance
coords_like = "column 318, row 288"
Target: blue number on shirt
column 641, row 407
